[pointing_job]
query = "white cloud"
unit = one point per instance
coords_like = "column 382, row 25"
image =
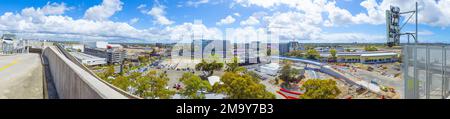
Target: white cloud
column 55, row 8
column 59, row 27
column 262, row 3
column 53, row 25
column 141, row 6
column 158, row 14
column 227, row 20
column 237, row 14
column 294, row 25
column 103, row 11
column 195, row 3
column 431, row 12
column 247, row 34
column 250, row 21
column 133, row 21
column 348, row 38
column 194, row 30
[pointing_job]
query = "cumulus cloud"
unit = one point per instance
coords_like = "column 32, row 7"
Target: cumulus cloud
column 294, row 25
column 250, row 21
column 227, row 20
column 157, row 12
column 34, row 23
column 55, row 8
column 431, row 12
column 46, row 21
column 103, row 11
column 196, row 30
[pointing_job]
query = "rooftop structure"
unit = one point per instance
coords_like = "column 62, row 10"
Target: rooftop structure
column 96, row 44
column 88, row 59
column 363, row 57
column 112, row 55
column 270, row 69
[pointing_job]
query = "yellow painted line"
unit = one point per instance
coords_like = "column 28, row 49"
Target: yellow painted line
column 8, row 65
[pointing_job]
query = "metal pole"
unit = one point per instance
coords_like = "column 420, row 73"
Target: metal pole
column 443, row 72
column 417, row 19
column 408, row 39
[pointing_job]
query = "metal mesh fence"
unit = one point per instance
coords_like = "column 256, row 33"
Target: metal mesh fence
column 426, row 71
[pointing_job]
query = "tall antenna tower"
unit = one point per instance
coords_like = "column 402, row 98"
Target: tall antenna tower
column 393, row 28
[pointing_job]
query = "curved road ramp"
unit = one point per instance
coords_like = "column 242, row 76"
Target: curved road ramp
column 72, row 81
column 21, row 77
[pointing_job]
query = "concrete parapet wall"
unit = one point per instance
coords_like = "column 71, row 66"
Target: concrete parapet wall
column 72, row 82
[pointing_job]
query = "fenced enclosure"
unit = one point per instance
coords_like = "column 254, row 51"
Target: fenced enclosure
column 426, row 71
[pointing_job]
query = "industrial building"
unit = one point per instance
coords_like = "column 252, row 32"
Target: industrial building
column 88, row 59
column 362, row 57
column 113, row 53
column 74, row 47
column 247, row 53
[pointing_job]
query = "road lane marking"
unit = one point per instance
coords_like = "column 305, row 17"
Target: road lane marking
column 8, row 65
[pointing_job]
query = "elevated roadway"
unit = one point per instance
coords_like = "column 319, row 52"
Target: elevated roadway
column 21, row 76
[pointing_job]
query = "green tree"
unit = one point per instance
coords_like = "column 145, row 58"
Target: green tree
column 333, row 53
column 121, row 82
column 234, row 66
column 193, row 84
column 320, row 89
column 153, row 86
column 241, row 86
column 109, row 71
column 370, row 48
column 289, row 74
column 208, row 68
column 143, row 60
column 312, row 54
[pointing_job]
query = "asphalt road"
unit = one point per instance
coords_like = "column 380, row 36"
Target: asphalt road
column 383, row 80
column 21, row 77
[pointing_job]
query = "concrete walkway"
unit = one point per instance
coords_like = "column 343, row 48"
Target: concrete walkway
column 21, row 77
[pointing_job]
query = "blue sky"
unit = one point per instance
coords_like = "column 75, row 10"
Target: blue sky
column 171, row 20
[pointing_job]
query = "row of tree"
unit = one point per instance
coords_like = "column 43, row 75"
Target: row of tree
column 309, row 54
column 150, row 86
column 236, row 83
column 370, row 48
